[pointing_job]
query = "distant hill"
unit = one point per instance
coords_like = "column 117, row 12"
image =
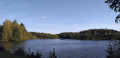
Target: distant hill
column 92, row 34
column 44, row 35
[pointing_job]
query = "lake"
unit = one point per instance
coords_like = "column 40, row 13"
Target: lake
column 63, row 48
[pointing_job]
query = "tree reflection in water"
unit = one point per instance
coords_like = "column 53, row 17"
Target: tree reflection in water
column 113, row 49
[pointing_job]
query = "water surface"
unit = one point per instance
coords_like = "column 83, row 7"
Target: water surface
column 63, row 48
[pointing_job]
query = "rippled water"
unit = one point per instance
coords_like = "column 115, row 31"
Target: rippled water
column 63, row 48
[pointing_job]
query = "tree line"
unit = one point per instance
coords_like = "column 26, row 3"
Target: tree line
column 93, row 34
column 12, row 31
column 44, row 35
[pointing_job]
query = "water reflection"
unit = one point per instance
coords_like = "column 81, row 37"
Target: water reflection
column 12, row 46
column 63, row 48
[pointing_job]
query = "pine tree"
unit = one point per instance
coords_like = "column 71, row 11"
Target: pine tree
column 24, row 32
column 17, row 32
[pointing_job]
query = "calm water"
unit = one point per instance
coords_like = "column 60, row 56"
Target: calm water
column 63, row 48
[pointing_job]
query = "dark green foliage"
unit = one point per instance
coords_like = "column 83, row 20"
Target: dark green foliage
column 44, row 35
column 93, row 34
column 52, row 54
column 32, row 55
column 113, row 50
column 21, row 24
column 21, row 52
column 114, row 5
column 17, row 32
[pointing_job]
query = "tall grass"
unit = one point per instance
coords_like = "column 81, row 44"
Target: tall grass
column 21, row 52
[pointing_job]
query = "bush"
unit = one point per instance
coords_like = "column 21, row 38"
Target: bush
column 52, row 54
column 21, row 52
column 32, row 55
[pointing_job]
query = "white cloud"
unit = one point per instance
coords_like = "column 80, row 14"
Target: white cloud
column 43, row 17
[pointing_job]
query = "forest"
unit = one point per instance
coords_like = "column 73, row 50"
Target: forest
column 93, row 34
column 12, row 31
column 44, row 35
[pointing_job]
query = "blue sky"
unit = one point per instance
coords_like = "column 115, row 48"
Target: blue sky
column 56, row 16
